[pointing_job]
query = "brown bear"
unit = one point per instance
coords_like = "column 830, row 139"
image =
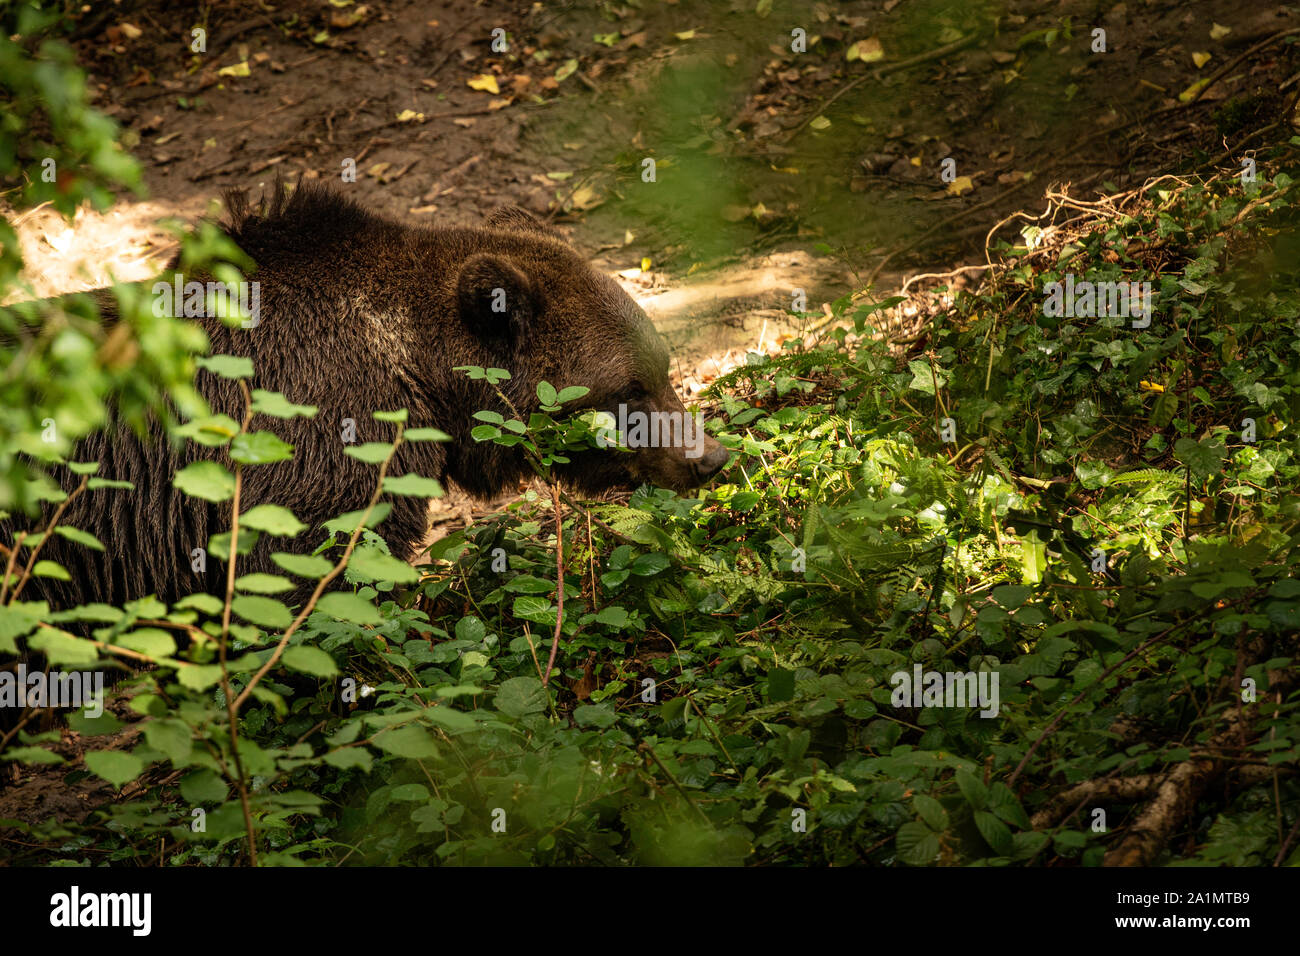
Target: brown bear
column 360, row 314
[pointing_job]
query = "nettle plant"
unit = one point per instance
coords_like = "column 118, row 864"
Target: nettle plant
column 542, row 439
column 215, row 660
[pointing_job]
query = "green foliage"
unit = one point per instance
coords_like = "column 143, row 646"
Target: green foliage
column 1118, row 554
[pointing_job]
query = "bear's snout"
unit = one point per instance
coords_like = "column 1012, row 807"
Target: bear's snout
column 715, row 458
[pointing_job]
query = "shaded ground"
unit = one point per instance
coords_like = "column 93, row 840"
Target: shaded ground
column 774, row 170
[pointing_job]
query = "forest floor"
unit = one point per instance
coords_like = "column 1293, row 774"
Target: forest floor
column 775, row 170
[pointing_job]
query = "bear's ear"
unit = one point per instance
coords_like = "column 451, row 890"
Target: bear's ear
column 520, row 220
column 497, row 302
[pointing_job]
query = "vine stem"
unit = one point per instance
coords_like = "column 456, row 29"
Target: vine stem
column 559, row 578
column 232, row 711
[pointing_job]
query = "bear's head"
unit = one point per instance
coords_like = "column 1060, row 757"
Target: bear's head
column 546, row 315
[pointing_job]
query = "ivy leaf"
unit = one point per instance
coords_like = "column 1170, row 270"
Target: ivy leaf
column 1203, row 458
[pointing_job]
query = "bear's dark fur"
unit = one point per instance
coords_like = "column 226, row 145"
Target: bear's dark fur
column 358, row 314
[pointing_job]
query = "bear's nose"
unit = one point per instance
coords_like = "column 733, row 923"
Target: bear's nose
column 713, row 461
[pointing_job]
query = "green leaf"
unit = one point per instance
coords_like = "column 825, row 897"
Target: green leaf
column 973, row 789
column 303, row 565
column 535, row 609
column 83, row 467
column 409, row 791
column 79, row 536
column 350, row 758
column 527, row 584
column 273, row 519
column 207, row 603
column 1012, row 596
column 203, row 786
column 648, row 564
column 348, row 607
column 206, row 480
column 31, row 755
column 347, row 523
column 50, row 569
column 151, row 641
column 14, row 623
column 571, row 394
column 227, row 366
column 601, row 716
column 521, row 695
column 923, row 379
column 213, row 430
column 931, row 811
column 545, row 393
column 96, row 483
column 413, row 485
column 484, row 432
column 199, row 676
column 395, row 416
column 277, row 406
column 262, row 611
column 613, row 615
column 170, row 736
column 426, row 434
column 60, row 647
column 259, row 448
column 408, row 741
column 310, row 660
column 995, row 833
column 105, row 723
column 371, row 452
column 1203, row 458
column 263, row 583
column 371, row 564
column 917, row 844
column 115, row 766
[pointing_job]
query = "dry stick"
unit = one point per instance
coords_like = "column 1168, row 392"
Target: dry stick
column 19, row 538
column 1235, row 63
column 45, row 536
column 559, row 577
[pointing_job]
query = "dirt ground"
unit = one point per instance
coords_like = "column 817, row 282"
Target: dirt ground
column 775, row 170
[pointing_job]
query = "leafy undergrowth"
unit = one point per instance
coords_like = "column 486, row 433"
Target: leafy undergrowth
column 1102, row 518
